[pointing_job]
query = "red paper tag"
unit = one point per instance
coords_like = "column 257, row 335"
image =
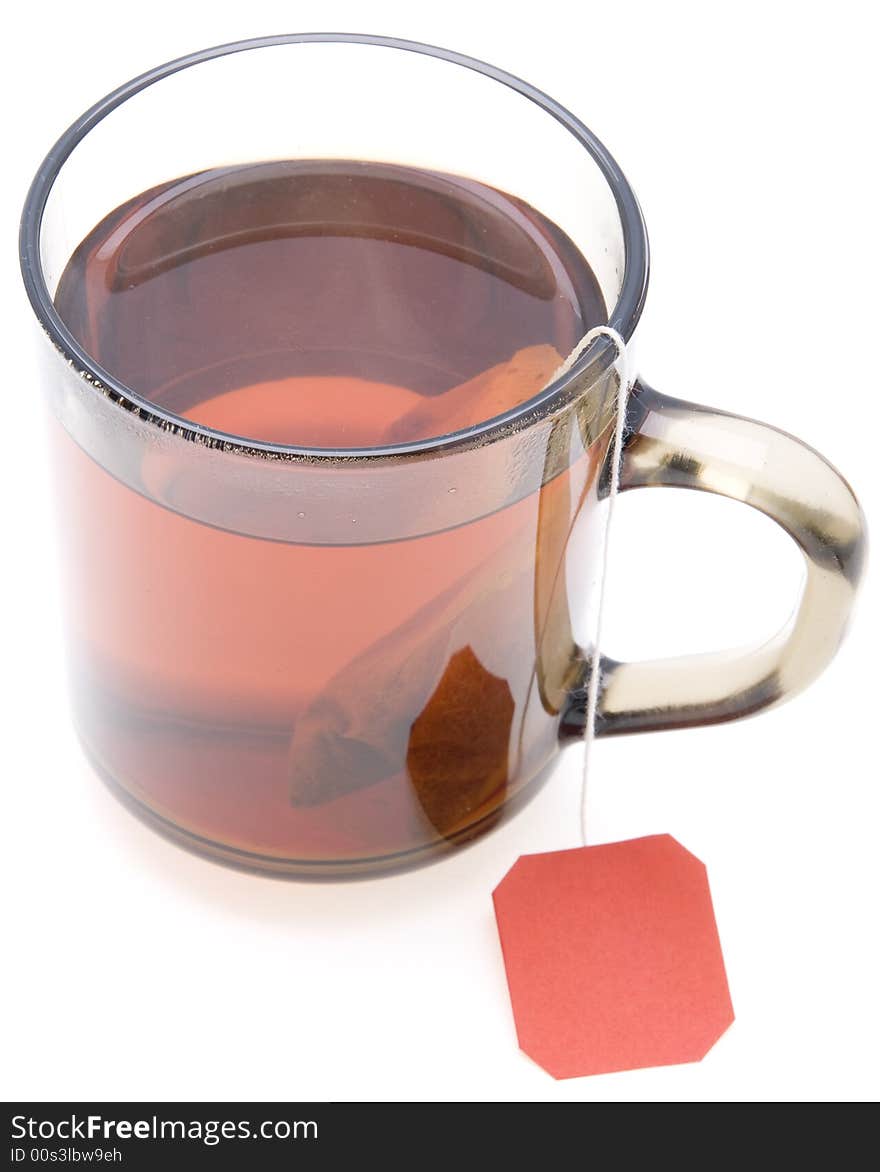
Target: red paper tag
column 612, row 956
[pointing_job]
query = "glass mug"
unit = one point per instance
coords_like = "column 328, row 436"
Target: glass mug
column 328, row 661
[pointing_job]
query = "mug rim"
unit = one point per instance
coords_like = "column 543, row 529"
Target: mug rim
column 623, row 318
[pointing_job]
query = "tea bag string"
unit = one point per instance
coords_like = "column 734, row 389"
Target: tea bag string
column 624, row 379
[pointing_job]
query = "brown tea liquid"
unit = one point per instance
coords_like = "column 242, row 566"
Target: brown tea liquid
column 326, row 305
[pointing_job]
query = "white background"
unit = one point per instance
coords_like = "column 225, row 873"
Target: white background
column 135, row 971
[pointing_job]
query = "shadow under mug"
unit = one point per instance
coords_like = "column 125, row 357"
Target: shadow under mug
column 324, row 663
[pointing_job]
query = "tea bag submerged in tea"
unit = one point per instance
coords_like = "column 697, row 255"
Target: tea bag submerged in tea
column 424, row 700
column 431, row 699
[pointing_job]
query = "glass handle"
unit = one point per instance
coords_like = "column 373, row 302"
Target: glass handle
column 675, row 444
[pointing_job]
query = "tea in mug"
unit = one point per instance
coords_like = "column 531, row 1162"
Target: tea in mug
column 318, row 702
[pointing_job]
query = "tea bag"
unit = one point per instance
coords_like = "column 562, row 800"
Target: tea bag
column 421, row 700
